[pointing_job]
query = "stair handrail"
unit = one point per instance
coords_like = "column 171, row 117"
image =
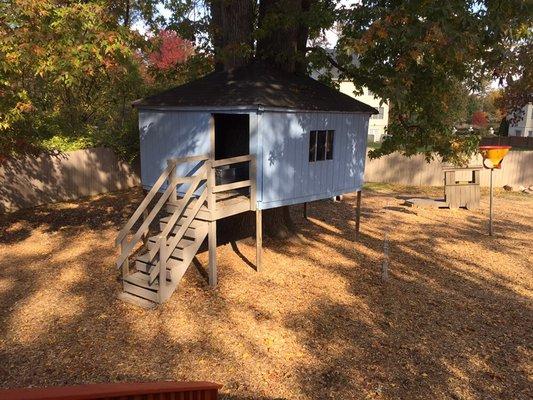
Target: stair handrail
column 173, row 241
column 174, row 182
column 173, row 162
column 184, row 202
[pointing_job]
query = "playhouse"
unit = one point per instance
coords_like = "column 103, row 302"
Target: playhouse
column 234, row 141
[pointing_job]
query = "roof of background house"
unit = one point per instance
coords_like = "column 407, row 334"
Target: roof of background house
column 256, row 85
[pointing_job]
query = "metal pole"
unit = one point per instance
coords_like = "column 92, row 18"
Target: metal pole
column 490, row 204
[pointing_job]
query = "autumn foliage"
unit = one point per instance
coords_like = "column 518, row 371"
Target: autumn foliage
column 169, row 50
column 479, row 119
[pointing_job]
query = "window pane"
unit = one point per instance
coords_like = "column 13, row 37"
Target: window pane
column 312, row 146
column 329, row 145
column 321, row 146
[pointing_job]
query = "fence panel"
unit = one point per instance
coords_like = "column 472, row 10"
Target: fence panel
column 30, row 181
column 517, row 169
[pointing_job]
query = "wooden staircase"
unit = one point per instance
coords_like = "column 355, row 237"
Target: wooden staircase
column 162, row 260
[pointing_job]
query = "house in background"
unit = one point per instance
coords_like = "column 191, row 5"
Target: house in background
column 524, row 127
column 378, row 122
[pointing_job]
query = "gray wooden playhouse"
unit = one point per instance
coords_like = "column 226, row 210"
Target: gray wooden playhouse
column 235, row 141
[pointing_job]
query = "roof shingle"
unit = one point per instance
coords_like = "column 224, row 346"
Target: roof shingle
column 256, row 85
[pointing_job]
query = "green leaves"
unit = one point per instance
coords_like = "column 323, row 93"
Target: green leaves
column 424, row 57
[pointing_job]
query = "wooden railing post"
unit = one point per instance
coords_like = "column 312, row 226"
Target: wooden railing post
column 212, row 238
column 253, row 183
column 163, row 249
column 172, row 164
column 126, row 264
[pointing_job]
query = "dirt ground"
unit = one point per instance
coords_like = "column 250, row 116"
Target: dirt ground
column 454, row 320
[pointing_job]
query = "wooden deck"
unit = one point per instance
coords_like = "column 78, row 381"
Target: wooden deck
column 227, row 204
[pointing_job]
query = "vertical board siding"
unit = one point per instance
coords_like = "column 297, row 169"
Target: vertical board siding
column 517, row 169
column 171, row 134
column 287, row 175
column 31, row 181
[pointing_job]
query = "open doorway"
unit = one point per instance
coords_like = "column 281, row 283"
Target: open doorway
column 232, row 139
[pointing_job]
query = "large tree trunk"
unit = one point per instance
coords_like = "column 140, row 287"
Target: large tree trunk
column 281, row 41
column 283, row 33
column 232, row 25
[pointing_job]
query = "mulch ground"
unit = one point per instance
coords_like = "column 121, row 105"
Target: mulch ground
column 454, row 320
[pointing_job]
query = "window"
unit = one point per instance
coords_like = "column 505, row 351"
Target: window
column 381, row 114
column 530, row 133
column 517, row 132
column 321, row 145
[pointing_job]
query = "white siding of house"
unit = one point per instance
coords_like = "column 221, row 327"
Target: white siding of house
column 377, row 125
column 524, row 127
column 287, row 175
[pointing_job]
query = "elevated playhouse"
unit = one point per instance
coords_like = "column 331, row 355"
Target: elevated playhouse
column 232, row 142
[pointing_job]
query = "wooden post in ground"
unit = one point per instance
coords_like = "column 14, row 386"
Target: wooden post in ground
column 162, row 269
column 212, row 232
column 258, row 240
column 126, row 263
column 357, row 214
column 211, row 205
column 305, row 210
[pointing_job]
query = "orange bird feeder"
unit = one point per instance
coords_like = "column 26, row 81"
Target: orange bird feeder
column 492, row 159
column 493, row 155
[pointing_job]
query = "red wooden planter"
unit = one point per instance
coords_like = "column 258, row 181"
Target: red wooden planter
column 122, row 391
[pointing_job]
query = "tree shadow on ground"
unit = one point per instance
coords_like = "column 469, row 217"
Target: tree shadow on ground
column 432, row 331
column 443, row 326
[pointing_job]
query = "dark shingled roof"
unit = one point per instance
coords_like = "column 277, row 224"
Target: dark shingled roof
column 256, row 85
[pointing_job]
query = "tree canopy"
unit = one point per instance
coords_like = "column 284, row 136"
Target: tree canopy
column 70, row 68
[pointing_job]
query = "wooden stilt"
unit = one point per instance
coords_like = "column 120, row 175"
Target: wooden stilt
column 212, row 239
column 305, row 210
column 357, row 214
column 126, row 264
column 258, row 240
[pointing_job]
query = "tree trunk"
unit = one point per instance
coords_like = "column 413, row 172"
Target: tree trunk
column 232, row 24
column 283, row 33
column 281, row 42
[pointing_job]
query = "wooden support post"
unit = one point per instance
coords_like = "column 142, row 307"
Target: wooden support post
column 490, row 203
column 305, row 210
column 171, row 177
column 212, row 253
column 212, row 233
column 126, row 263
column 258, row 240
column 357, row 214
column 162, row 269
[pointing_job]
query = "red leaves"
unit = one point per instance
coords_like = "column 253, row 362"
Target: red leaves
column 170, row 50
column 479, row 118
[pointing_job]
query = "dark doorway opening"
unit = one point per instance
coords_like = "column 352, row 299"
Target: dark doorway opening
column 232, row 139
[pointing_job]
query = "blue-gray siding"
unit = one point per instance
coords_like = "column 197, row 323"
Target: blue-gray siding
column 287, row 175
column 170, row 134
column 280, row 140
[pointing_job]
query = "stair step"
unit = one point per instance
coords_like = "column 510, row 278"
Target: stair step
column 179, row 251
column 191, row 231
column 137, row 301
column 147, row 294
column 142, row 280
column 181, row 244
column 203, row 213
column 195, row 223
